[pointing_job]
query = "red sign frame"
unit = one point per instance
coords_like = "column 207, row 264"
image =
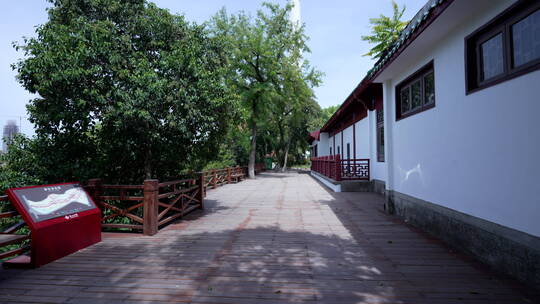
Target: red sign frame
column 58, row 237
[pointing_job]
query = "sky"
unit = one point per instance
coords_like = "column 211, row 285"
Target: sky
column 334, row 27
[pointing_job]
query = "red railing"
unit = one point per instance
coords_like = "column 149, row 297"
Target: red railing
column 341, row 169
column 355, row 169
column 149, row 206
column 327, row 166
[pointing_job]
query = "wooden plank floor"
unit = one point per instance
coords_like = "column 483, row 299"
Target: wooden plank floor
column 281, row 238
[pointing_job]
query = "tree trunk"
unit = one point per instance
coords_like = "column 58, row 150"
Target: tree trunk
column 253, row 152
column 285, row 158
column 148, row 163
column 279, row 151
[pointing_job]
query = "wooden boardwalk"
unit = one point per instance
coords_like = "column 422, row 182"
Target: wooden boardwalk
column 281, row 238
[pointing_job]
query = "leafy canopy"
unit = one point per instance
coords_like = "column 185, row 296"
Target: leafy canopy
column 268, row 73
column 385, row 31
column 321, row 117
column 126, row 91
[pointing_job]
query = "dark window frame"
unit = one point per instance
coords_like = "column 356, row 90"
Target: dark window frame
column 502, row 23
column 479, row 61
column 419, row 75
column 380, row 135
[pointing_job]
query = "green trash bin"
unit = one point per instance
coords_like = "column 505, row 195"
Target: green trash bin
column 268, row 163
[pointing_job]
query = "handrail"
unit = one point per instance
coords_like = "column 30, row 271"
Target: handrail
column 151, row 205
column 338, row 169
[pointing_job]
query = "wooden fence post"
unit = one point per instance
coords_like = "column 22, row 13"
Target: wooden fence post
column 214, row 179
column 203, row 178
column 229, row 177
column 201, row 194
column 150, row 216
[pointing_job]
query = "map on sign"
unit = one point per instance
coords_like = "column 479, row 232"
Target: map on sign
column 48, row 202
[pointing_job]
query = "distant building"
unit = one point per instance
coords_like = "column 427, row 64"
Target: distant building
column 10, row 130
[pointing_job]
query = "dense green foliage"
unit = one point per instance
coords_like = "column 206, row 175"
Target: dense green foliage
column 19, row 167
column 126, row 91
column 322, row 117
column 385, row 31
column 20, row 158
column 268, row 73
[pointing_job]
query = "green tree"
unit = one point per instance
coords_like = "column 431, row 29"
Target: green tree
column 126, row 91
column 321, row 117
column 292, row 113
column 385, row 31
column 19, row 167
column 264, row 53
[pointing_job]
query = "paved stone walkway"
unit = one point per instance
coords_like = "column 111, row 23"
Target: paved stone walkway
column 281, row 238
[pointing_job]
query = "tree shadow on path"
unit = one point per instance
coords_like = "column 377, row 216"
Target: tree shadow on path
column 270, row 240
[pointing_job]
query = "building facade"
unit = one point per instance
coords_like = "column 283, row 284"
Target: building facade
column 447, row 119
column 10, row 130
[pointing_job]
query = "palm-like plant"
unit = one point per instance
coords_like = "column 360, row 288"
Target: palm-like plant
column 385, row 31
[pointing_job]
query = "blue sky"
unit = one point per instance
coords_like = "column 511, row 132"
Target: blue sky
column 334, row 28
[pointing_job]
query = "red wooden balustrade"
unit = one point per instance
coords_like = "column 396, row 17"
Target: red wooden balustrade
column 338, row 169
column 149, row 206
column 145, row 207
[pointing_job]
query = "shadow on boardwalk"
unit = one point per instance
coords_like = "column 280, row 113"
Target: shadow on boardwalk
column 269, row 240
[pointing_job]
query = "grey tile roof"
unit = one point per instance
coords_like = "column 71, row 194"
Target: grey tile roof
column 406, row 34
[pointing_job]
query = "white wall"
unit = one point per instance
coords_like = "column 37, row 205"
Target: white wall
column 337, row 144
column 331, row 145
column 313, row 144
column 362, row 138
column 362, row 141
column 378, row 169
column 478, row 153
column 322, row 147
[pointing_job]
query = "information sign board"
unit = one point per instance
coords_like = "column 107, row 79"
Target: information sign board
column 62, row 218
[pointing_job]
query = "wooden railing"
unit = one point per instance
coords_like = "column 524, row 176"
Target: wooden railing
column 260, row 167
column 149, row 206
column 12, row 241
column 214, row 178
column 217, row 177
column 341, row 169
column 178, row 198
column 355, row 169
column 145, row 207
column 327, row 166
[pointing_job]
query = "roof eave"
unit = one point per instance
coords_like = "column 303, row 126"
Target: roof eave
column 394, row 52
